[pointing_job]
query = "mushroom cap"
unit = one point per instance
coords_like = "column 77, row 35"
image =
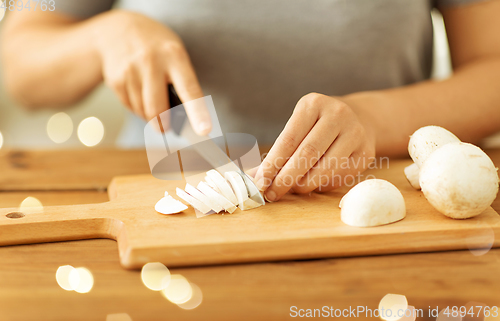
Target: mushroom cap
column 372, row 202
column 459, row 180
column 426, row 140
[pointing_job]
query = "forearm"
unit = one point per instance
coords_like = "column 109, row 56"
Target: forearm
column 468, row 104
column 50, row 63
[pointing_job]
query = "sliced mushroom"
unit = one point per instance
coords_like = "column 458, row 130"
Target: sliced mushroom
column 241, row 191
column 216, row 197
column 239, row 187
column 196, row 204
column 253, row 192
column 169, row 205
column 249, row 204
column 211, row 183
column 222, row 185
column 191, row 190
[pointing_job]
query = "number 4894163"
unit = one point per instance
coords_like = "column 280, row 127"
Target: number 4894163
column 473, row 311
column 19, row 5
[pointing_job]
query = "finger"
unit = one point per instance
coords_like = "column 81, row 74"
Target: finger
column 321, row 178
column 329, row 167
column 154, row 93
column 296, row 129
column 342, row 176
column 347, row 170
column 186, row 84
column 134, row 92
column 309, row 152
column 252, row 171
column 120, row 89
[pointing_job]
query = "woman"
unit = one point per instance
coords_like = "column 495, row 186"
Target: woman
column 369, row 59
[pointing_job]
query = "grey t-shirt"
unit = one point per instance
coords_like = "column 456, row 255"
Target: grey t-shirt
column 257, row 58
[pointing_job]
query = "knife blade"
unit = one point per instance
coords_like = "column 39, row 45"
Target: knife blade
column 207, row 148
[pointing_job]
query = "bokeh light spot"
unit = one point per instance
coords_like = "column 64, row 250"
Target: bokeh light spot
column 196, row 298
column 155, row 276
column 1, row 136
column 62, row 277
column 90, row 131
column 391, row 304
column 410, row 314
column 179, row 290
column 81, row 280
column 481, row 241
column 59, row 128
column 31, row 205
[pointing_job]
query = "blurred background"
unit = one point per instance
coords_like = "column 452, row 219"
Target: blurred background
column 20, row 128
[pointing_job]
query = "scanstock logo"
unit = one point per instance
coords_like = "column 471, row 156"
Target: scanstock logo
column 175, row 151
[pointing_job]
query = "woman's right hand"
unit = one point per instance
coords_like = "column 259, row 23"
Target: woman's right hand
column 139, row 58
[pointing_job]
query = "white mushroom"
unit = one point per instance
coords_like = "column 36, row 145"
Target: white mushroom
column 459, row 180
column 218, row 193
column 222, row 185
column 426, row 140
column 249, row 204
column 371, row 203
column 169, row 205
column 221, row 200
column 412, row 175
column 198, row 205
column 253, row 192
column 211, row 183
column 191, row 190
column 241, row 191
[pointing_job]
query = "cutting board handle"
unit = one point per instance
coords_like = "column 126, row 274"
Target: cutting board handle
column 57, row 223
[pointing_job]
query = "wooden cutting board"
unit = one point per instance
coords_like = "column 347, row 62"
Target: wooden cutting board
column 297, row 227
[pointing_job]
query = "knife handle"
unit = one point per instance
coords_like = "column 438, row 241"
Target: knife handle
column 178, row 114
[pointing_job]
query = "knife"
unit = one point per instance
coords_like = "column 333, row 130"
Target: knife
column 206, row 148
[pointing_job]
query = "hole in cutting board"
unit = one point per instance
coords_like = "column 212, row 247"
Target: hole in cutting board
column 15, row 215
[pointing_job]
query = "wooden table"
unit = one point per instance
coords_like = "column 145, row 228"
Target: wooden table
column 266, row 291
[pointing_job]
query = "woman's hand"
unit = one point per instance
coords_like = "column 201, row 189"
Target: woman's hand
column 322, row 143
column 140, row 57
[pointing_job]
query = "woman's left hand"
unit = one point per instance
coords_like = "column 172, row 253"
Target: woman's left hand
column 323, row 143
